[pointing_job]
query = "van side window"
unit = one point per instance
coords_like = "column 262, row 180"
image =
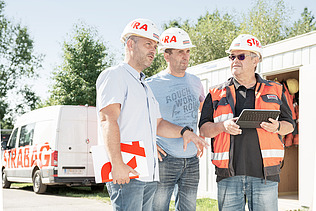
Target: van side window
column 12, row 140
column 26, row 136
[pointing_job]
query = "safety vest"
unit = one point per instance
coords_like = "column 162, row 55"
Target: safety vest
column 268, row 95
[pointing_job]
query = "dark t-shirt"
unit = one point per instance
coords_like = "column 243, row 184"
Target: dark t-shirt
column 247, row 159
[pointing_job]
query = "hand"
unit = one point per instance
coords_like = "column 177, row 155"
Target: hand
column 160, row 150
column 120, row 173
column 270, row 127
column 231, row 127
column 199, row 153
column 199, row 142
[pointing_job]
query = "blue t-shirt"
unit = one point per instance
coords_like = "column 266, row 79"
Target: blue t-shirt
column 179, row 100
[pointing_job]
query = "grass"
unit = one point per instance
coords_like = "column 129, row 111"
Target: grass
column 203, row 204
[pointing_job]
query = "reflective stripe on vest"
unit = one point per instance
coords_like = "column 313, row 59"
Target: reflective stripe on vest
column 220, row 156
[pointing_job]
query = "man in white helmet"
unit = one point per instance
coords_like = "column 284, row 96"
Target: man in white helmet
column 179, row 95
column 127, row 112
column 247, row 159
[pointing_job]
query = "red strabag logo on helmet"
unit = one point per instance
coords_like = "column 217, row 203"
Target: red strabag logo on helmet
column 253, row 42
column 166, row 39
column 137, row 25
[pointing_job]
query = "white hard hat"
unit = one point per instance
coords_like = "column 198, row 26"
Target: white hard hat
column 174, row 38
column 141, row 27
column 246, row 42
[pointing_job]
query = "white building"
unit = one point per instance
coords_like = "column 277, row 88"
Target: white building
column 290, row 58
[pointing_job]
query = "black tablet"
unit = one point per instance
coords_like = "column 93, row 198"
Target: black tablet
column 252, row 118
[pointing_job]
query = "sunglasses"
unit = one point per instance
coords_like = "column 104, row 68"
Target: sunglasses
column 240, row 57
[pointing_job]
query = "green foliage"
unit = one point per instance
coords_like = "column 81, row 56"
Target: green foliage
column 305, row 24
column 18, row 62
column 158, row 64
column 212, row 35
column 85, row 56
column 267, row 20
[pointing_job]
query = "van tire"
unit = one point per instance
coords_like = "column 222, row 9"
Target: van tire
column 97, row 188
column 38, row 186
column 5, row 182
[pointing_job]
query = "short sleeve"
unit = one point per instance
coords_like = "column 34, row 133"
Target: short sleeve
column 110, row 88
column 286, row 113
column 207, row 111
column 202, row 95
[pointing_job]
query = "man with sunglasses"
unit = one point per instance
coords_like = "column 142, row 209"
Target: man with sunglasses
column 247, row 160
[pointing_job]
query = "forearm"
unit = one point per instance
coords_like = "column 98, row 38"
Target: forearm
column 285, row 128
column 211, row 129
column 168, row 130
column 111, row 138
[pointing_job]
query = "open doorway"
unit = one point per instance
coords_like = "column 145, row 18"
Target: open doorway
column 289, row 181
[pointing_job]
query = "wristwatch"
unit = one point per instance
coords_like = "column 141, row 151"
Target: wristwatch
column 277, row 130
column 185, row 129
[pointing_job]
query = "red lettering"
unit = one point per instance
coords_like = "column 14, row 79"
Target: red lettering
column 26, row 157
column 5, row 160
column 166, row 40
column 132, row 163
column 12, row 158
column 249, row 42
column 135, row 25
column 257, row 43
column 173, row 39
column 34, row 155
column 46, row 155
column 105, row 172
column 133, row 149
column 19, row 159
column 144, row 27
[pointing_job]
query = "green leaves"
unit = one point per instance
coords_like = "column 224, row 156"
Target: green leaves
column 17, row 62
column 85, row 56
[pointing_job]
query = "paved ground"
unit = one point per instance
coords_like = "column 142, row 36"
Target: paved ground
column 26, row 200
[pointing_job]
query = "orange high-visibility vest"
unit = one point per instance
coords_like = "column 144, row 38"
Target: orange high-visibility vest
column 268, row 95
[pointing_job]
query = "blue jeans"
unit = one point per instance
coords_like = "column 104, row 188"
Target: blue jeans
column 134, row 196
column 182, row 173
column 261, row 195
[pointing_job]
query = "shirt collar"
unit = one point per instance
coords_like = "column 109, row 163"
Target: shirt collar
column 139, row 76
column 237, row 84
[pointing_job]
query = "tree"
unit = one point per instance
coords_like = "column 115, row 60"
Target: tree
column 212, row 35
column 267, row 20
column 17, row 62
column 304, row 25
column 85, row 56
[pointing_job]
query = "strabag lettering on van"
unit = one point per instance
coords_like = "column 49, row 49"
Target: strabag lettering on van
column 27, row 156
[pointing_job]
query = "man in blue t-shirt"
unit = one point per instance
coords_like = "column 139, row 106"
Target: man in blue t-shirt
column 179, row 95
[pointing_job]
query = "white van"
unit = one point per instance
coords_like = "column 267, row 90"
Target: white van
column 51, row 146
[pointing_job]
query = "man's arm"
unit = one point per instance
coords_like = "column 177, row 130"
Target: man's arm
column 210, row 129
column 111, row 136
column 169, row 130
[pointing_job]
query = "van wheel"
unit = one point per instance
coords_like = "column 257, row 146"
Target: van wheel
column 5, row 182
column 38, row 186
column 97, row 188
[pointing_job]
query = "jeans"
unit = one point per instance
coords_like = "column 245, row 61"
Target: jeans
column 182, row 173
column 262, row 195
column 134, row 196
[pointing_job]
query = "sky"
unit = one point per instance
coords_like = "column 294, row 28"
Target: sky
column 49, row 21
